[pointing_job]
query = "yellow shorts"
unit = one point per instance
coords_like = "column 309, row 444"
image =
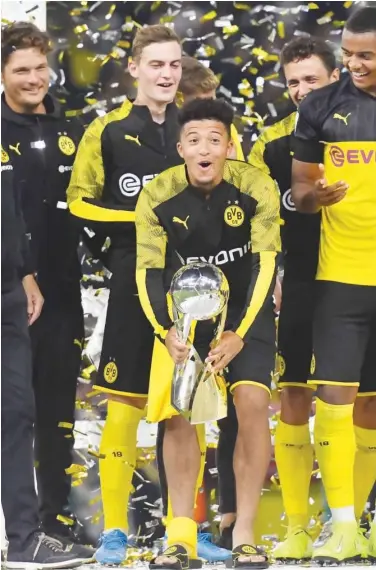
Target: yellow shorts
column 161, row 374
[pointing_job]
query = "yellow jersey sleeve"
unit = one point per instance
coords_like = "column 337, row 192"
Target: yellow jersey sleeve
column 237, row 144
column 88, row 176
column 151, row 261
column 265, row 242
column 256, row 156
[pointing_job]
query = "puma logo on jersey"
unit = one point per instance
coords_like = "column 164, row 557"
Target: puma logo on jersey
column 133, row 139
column 16, row 148
column 342, row 118
column 182, row 222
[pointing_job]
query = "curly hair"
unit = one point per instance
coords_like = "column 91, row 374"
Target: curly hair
column 304, row 47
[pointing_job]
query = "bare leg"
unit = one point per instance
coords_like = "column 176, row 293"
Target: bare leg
column 296, row 404
column 181, row 453
column 251, row 459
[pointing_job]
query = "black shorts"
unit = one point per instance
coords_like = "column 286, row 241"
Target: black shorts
column 344, row 335
column 368, row 375
column 256, row 361
column 295, row 332
column 127, row 342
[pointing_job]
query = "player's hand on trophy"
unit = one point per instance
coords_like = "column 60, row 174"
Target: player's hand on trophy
column 228, row 347
column 177, row 349
column 329, row 194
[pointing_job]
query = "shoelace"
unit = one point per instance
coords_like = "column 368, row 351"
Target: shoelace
column 112, row 542
column 325, row 533
column 205, row 537
column 49, row 543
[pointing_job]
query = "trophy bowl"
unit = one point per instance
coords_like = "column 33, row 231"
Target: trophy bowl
column 199, row 290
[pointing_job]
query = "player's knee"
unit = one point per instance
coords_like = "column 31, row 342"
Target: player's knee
column 178, row 426
column 296, row 403
column 337, row 394
column 365, row 412
column 251, row 402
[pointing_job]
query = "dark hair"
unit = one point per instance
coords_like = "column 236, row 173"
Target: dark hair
column 306, row 46
column 362, row 20
column 207, row 109
column 22, row 35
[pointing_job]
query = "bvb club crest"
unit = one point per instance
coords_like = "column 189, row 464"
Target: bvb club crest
column 234, row 216
column 66, row 145
column 110, row 372
column 4, row 156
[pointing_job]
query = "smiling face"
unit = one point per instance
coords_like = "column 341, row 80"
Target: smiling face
column 204, row 146
column 158, row 71
column 25, row 78
column 305, row 75
column 359, row 57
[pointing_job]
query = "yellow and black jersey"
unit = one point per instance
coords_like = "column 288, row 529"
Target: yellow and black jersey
column 235, row 228
column 236, row 142
column 337, row 127
column 120, row 153
column 273, row 152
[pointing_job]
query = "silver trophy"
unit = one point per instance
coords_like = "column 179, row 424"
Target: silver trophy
column 199, row 292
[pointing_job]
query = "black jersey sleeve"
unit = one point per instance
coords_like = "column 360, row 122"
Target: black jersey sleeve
column 307, row 144
column 151, row 261
column 27, row 267
column 265, row 243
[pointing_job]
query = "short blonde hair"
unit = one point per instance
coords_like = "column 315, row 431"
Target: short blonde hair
column 148, row 35
column 196, row 79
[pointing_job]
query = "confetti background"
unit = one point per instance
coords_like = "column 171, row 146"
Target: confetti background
column 241, row 42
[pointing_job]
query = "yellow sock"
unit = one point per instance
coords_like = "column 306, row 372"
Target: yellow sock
column 335, row 451
column 118, row 445
column 294, row 457
column 200, row 430
column 364, row 467
column 182, row 530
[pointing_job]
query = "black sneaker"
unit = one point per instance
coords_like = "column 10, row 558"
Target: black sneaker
column 43, row 552
column 225, row 538
column 84, row 553
column 75, row 532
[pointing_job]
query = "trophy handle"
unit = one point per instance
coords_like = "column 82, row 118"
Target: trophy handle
column 217, row 336
column 220, row 327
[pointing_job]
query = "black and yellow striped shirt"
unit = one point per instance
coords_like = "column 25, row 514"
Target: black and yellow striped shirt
column 236, row 228
column 120, row 153
column 273, row 153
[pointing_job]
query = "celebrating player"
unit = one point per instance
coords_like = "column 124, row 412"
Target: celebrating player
column 199, row 81
column 337, row 176
column 119, row 154
column 240, row 205
column 308, row 63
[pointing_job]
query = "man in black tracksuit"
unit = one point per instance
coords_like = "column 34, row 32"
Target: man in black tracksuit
column 41, row 144
column 27, row 545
